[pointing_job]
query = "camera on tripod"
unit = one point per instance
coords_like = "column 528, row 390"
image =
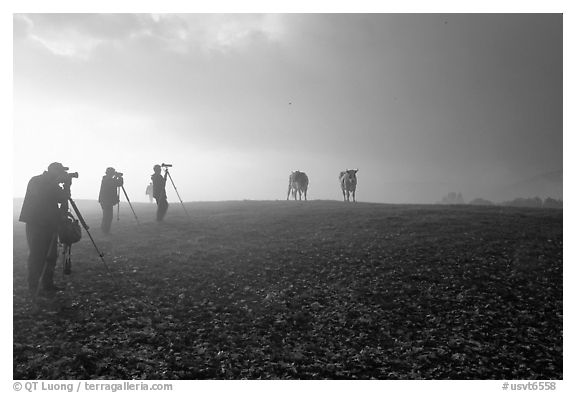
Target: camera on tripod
column 166, row 165
column 119, row 174
column 67, row 178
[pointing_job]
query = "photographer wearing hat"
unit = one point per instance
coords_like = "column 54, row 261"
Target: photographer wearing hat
column 41, row 213
column 159, row 192
column 109, row 196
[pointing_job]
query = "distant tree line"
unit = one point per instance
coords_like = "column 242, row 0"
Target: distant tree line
column 548, row 203
column 454, row 198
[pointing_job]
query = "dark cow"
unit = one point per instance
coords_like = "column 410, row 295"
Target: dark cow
column 297, row 183
column 348, row 183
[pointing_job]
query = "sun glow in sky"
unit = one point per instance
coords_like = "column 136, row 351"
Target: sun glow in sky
column 421, row 104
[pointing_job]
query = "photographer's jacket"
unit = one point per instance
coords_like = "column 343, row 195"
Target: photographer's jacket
column 40, row 205
column 109, row 190
column 159, row 186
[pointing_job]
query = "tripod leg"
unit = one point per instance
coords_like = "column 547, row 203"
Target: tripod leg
column 85, row 226
column 66, row 257
column 182, row 203
column 128, row 199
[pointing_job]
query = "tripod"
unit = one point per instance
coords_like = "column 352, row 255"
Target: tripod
column 86, row 227
column 128, row 199
column 64, row 208
column 173, row 185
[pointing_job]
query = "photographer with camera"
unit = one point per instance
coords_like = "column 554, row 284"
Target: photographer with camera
column 109, row 196
column 159, row 191
column 42, row 214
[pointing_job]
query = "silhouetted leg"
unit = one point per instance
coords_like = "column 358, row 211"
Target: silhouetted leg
column 39, row 239
column 165, row 208
column 158, row 209
column 107, row 216
column 162, row 208
column 51, row 258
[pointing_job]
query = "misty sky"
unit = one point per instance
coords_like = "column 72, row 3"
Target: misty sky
column 421, row 104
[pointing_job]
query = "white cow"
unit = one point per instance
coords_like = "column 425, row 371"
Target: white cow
column 297, row 183
column 348, row 183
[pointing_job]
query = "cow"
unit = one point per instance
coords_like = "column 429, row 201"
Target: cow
column 297, row 183
column 348, row 183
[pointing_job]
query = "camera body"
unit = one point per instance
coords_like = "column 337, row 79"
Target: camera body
column 66, row 179
column 166, row 165
column 119, row 174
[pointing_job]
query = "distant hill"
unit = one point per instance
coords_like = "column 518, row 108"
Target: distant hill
column 544, row 185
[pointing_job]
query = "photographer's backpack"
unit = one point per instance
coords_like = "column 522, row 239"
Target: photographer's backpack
column 69, row 232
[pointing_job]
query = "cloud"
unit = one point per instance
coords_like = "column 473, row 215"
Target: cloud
column 70, row 36
column 77, row 36
column 209, row 33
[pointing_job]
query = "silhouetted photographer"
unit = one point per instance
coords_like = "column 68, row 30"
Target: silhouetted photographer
column 159, row 191
column 42, row 213
column 109, row 196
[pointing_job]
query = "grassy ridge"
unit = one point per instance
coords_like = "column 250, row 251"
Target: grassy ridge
column 269, row 289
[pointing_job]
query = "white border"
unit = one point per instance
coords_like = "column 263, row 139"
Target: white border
column 262, row 6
